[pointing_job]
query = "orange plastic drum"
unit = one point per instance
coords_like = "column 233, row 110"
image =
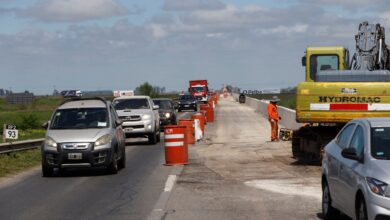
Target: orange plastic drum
column 176, row 146
column 201, row 118
column 189, row 123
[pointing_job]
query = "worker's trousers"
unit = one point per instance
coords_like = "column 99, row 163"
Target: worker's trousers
column 274, row 129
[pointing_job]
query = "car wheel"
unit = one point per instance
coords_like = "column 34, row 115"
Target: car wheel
column 122, row 161
column 328, row 211
column 47, row 171
column 152, row 138
column 113, row 167
column 361, row 212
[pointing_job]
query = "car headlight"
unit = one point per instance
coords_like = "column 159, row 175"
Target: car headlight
column 146, row 117
column 103, row 140
column 378, row 187
column 167, row 114
column 49, row 142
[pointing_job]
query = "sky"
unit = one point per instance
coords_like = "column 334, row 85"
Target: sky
column 119, row 44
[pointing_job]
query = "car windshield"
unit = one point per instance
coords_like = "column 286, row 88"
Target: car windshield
column 163, row 104
column 380, row 143
column 123, row 104
column 80, row 118
column 186, row 97
column 198, row 89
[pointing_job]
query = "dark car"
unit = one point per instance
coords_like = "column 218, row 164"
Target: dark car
column 167, row 111
column 84, row 133
column 187, row 102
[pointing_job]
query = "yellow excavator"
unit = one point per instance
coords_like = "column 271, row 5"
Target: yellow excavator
column 337, row 90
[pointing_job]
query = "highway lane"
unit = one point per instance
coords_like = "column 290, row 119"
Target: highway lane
column 91, row 194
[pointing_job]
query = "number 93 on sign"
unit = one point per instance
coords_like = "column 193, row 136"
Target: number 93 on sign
column 11, row 134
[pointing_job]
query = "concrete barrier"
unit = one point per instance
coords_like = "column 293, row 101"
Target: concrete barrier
column 288, row 115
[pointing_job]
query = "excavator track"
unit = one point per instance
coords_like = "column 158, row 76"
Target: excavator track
column 309, row 141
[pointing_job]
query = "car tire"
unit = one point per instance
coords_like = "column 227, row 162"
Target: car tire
column 361, row 211
column 328, row 211
column 152, row 138
column 113, row 167
column 47, row 171
column 122, row 161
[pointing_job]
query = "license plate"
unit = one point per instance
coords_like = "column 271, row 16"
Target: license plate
column 128, row 129
column 186, row 105
column 75, row 156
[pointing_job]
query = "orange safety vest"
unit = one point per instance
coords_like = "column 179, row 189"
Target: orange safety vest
column 273, row 112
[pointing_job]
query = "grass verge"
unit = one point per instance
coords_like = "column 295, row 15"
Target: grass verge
column 18, row 161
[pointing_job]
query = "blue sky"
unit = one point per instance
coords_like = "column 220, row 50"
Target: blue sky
column 118, row 44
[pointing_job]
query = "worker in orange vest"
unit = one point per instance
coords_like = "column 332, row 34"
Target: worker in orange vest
column 273, row 117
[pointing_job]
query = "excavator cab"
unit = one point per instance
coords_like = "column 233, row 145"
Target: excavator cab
column 319, row 59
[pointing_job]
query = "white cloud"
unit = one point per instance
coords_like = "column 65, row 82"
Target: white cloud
column 74, row 10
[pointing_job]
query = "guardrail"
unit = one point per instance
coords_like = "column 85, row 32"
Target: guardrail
column 288, row 115
column 20, row 145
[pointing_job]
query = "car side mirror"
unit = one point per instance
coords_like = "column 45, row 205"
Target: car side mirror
column 118, row 122
column 350, row 153
column 45, row 125
column 156, row 107
column 303, row 61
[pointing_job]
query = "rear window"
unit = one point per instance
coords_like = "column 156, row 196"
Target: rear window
column 163, row 104
column 186, row 97
column 380, row 143
column 123, row 104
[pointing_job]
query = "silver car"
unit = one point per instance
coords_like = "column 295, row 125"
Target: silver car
column 83, row 133
column 356, row 171
column 140, row 117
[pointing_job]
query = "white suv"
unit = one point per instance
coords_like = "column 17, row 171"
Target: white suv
column 140, row 117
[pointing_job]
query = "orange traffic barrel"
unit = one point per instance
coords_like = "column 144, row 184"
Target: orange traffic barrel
column 176, row 146
column 209, row 112
column 189, row 123
column 201, row 119
column 203, row 113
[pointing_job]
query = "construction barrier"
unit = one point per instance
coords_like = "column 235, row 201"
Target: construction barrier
column 261, row 106
column 209, row 112
column 176, row 146
column 204, row 113
column 198, row 131
column 190, row 129
column 201, row 118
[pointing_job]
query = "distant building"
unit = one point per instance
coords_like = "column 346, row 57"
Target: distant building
column 24, row 98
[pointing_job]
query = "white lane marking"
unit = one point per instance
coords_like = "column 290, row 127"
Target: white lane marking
column 288, row 187
column 174, row 136
column 174, row 144
column 170, row 183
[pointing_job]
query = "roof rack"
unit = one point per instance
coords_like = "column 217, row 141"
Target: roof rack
column 86, row 98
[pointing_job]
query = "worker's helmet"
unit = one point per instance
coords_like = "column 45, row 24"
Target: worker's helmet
column 274, row 99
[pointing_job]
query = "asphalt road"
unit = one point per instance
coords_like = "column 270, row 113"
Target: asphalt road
column 90, row 194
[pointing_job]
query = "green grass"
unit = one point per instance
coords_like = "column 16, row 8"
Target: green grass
column 42, row 108
column 28, row 135
column 286, row 99
column 18, row 161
